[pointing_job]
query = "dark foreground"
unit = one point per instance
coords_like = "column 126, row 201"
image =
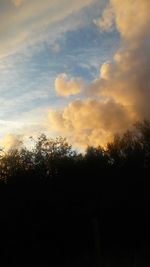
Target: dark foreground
column 60, row 208
column 46, row 225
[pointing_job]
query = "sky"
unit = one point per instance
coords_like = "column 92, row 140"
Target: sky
column 79, row 69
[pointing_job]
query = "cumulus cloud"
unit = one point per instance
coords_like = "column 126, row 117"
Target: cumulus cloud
column 121, row 93
column 86, row 122
column 131, row 18
column 11, row 141
column 66, row 87
column 126, row 79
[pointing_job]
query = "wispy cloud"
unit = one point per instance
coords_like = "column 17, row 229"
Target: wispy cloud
column 28, row 23
column 17, row 3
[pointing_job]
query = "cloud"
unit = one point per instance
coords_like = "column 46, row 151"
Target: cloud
column 23, row 125
column 11, row 141
column 121, row 93
column 56, row 47
column 131, row 18
column 17, row 2
column 36, row 21
column 87, row 122
column 66, row 87
column 126, row 79
column 107, row 19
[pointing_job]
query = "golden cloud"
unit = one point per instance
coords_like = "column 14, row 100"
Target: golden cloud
column 90, row 121
column 11, row 141
column 66, row 87
column 131, row 17
column 121, row 94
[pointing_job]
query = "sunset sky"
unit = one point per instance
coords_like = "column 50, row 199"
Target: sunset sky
column 79, row 69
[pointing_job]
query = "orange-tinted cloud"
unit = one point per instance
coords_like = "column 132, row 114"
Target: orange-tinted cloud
column 11, row 141
column 121, row 94
column 66, row 87
column 90, row 121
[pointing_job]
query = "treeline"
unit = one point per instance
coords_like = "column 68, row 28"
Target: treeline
column 51, row 195
column 52, row 158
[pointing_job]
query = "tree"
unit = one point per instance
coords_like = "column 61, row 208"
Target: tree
column 51, row 155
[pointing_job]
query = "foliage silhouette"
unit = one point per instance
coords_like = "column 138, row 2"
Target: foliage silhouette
column 50, row 195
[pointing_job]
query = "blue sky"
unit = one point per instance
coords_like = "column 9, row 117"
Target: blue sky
column 39, row 41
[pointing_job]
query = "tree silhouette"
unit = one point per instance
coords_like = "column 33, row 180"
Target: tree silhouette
column 50, row 194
